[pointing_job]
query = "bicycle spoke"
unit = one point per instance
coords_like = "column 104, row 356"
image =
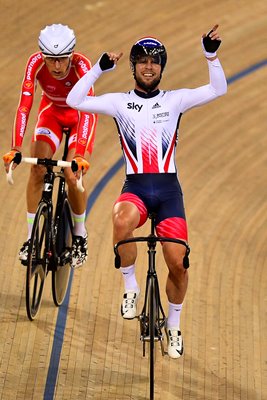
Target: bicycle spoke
column 61, row 275
column 36, row 268
column 152, row 327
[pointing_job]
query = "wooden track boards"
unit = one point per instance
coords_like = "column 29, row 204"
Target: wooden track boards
column 222, row 165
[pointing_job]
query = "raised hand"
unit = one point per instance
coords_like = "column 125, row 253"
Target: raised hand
column 211, row 41
column 108, row 60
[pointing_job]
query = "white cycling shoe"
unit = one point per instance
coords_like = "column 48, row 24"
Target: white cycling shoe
column 129, row 304
column 175, row 343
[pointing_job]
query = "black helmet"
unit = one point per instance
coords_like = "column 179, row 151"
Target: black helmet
column 148, row 46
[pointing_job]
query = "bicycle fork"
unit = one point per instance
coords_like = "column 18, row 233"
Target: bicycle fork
column 152, row 295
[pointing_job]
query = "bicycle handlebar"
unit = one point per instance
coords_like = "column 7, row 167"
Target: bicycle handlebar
column 47, row 162
column 152, row 239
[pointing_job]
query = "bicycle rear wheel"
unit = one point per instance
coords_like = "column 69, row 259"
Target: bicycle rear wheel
column 61, row 274
column 37, row 263
column 152, row 329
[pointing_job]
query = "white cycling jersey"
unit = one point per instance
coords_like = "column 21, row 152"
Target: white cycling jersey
column 147, row 123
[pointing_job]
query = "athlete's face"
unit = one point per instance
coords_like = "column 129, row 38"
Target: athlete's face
column 147, row 74
column 58, row 67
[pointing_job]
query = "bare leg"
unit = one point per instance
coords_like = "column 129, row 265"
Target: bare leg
column 125, row 219
column 78, row 200
column 177, row 280
column 176, row 287
column 35, row 183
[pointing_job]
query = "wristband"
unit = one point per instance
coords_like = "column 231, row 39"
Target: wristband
column 210, row 55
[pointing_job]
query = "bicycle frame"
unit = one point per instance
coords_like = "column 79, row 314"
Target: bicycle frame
column 160, row 318
column 47, row 199
column 50, row 242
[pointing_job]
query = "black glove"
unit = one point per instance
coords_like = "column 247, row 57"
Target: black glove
column 18, row 158
column 211, row 45
column 105, row 63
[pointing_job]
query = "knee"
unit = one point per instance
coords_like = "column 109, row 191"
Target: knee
column 175, row 260
column 174, row 257
column 125, row 218
column 71, row 182
column 121, row 222
column 176, row 267
column 37, row 174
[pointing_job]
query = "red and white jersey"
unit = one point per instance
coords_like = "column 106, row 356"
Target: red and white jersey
column 147, row 123
column 54, row 92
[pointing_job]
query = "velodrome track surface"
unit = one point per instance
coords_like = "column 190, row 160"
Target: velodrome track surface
column 84, row 350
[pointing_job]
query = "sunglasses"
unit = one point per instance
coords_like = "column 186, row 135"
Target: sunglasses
column 61, row 59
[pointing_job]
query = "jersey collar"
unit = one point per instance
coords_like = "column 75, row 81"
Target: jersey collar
column 146, row 95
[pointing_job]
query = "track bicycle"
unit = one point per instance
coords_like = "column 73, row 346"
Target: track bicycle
column 51, row 238
column 152, row 318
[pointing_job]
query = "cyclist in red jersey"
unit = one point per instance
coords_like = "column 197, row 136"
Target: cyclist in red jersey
column 56, row 68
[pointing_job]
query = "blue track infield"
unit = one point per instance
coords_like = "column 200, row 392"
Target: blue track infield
column 63, row 309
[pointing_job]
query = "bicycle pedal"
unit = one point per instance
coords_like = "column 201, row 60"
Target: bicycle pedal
column 65, row 258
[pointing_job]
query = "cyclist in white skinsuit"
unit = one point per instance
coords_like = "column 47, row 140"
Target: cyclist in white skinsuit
column 147, row 120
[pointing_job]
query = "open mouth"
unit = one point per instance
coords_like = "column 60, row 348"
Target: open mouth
column 148, row 75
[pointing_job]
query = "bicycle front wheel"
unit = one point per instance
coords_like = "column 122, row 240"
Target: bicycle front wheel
column 61, row 274
column 37, row 263
column 152, row 330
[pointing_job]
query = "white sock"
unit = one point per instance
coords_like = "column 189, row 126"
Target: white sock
column 130, row 282
column 173, row 320
column 30, row 219
column 79, row 224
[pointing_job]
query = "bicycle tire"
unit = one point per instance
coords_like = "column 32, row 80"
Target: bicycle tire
column 151, row 326
column 61, row 274
column 37, row 263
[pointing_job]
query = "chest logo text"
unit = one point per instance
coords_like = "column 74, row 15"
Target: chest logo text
column 133, row 106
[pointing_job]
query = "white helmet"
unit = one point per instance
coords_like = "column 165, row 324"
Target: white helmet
column 57, row 40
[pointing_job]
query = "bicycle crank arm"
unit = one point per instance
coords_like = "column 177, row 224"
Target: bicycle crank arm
column 64, row 258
